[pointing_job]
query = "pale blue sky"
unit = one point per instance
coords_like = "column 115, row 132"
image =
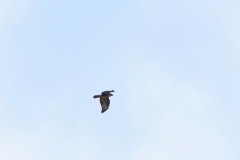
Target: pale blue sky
column 174, row 66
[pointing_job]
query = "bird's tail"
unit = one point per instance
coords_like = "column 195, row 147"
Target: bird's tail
column 96, row 96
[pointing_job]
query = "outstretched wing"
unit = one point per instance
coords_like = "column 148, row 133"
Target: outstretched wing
column 105, row 102
column 107, row 92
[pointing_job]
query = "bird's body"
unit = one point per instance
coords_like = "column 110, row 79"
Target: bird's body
column 104, row 99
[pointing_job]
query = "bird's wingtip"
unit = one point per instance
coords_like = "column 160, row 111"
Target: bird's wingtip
column 96, row 96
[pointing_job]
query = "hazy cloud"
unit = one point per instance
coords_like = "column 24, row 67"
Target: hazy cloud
column 175, row 120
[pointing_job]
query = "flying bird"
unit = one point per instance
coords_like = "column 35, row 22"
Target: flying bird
column 104, row 99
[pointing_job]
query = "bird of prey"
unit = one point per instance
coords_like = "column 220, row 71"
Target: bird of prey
column 104, row 99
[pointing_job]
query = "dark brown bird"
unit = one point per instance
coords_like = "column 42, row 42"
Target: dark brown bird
column 104, row 99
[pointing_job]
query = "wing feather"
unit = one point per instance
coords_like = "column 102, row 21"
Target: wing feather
column 107, row 92
column 105, row 102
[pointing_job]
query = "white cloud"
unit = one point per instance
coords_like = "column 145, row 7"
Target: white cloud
column 12, row 11
column 45, row 144
column 49, row 129
column 14, row 147
column 175, row 120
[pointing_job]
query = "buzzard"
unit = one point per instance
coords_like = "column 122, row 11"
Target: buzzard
column 104, row 99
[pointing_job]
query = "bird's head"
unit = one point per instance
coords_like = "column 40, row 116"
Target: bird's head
column 110, row 94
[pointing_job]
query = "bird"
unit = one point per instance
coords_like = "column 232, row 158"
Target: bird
column 104, row 99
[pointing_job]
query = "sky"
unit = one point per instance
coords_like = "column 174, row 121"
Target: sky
column 174, row 66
